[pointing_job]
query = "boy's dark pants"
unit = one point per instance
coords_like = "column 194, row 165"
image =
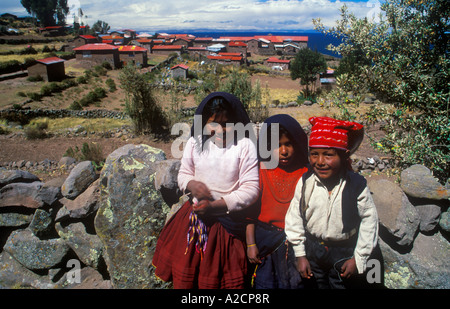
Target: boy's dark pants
column 326, row 260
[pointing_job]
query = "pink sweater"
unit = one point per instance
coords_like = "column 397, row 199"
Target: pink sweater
column 230, row 173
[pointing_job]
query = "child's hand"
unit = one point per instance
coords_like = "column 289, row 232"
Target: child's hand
column 253, row 254
column 303, row 267
column 348, row 268
column 201, row 207
column 199, row 190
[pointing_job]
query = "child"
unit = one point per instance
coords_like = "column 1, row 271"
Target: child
column 332, row 221
column 202, row 246
column 266, row 240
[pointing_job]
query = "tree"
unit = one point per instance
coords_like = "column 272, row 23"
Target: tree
column 306, row 65
column 101, row 27
column 405, row 60
column 48, row 12
column 141, row 104
column 239, row 84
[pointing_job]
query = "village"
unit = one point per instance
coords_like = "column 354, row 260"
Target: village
column 120, row 47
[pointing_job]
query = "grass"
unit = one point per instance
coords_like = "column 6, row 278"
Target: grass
column 90, row 125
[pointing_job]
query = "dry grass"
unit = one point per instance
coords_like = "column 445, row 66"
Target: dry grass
column 90, row 125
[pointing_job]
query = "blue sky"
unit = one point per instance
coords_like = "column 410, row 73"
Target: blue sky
column 251, row 15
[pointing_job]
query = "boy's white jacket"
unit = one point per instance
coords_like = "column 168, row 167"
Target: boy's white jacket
column 324, row 219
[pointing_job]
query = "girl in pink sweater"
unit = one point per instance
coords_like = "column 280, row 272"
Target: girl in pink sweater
column 202, row 244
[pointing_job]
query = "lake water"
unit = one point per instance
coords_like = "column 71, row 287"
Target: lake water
column 316, row 41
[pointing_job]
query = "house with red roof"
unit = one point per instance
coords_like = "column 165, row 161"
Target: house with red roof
column 167, row 49
column 196, row 51
column 179, row 71
column 226, row 59
column 83, row 40
column 237, row 47
column 202, row 42
column 277, row 64
column 133, row 53
column 50, row 69
column 98, row 53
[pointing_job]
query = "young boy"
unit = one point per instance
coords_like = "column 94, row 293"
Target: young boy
column 332, row 221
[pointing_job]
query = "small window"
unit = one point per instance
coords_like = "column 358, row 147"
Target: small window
column 87, row 54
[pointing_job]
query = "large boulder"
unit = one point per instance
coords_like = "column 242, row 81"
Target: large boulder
column 12, row 176
column 34, row 253
column 426, row 266
column 30, row 195
column 82, row 206
column 131, row 214
column 399, row 220
column 418, row 181
column 79, row 179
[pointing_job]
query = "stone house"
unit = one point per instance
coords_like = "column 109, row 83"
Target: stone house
column 238, row 47
column 277, row 64
column 167, row 49
column 183, row 41
column 226, row 59
column 196, row 52
column 50, row 69
column 84, row 39
column 179, row 70
column 202, row 42
column 133, row 53
column 98, row 53
column 143, row 42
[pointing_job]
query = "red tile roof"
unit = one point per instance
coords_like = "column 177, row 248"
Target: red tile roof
column 97, row 46
column 88, row 37
column 236, row 44
column 180, row 66
column 276, row 60
column 50, row 60
column 174, row 47
column 230, row 54
column 130, row 48
column 197, row 48
column 224, row 58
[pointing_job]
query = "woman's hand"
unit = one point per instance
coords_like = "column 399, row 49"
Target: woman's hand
column 199, row 190
column 202, row 207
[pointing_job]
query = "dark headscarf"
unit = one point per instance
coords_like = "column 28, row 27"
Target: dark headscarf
column 295, row 130
column 238, row 112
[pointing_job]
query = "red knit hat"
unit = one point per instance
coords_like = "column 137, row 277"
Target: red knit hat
column 331, row 133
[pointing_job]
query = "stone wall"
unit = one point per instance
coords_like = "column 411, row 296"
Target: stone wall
column 99, row 229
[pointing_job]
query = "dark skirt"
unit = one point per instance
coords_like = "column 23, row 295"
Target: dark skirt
column 277, row 269
column 222, row 265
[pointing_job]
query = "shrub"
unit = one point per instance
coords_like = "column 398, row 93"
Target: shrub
column 111, row 84
column 37, row 78
column 88, row 152
column 141, row 104
column 36, row 131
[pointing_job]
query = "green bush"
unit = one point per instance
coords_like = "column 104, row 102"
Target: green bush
column 111, row 84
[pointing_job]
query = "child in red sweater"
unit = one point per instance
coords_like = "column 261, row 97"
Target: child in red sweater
column 266, row 240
